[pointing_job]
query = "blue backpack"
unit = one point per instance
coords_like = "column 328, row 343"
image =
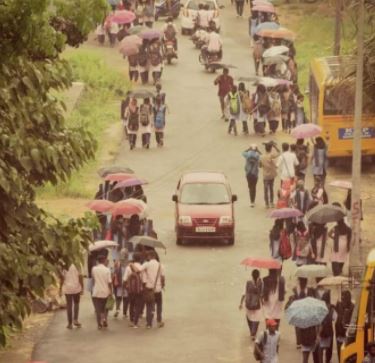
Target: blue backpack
column 160, row 117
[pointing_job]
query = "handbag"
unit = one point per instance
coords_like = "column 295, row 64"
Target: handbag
column 149, row 294
column 110, row 304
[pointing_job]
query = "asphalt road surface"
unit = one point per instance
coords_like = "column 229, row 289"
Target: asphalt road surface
column 204, row 282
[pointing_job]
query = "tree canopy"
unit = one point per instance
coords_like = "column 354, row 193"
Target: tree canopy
column 36, row 146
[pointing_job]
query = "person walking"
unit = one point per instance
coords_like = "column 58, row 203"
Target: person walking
column 252, row 169
column 319, row 159
column 275, row 238
column 133, row 67
column 155, row 60
column 319, row 236
column 309, row 343
column 341, row 235
column 145, row 115
column 132, row 115
column 246, row 107
column 102, row 289
column 266, row 348
column 143, row 62
column 262, row 107
column 239, row 7
column 286, row 164
column 301, row 198
column 72, row 287
column 303, row 250
column 154, row 279
column 234, row 107
column 268, row 163
column 159, row 121
column 302, row 153
column 133, row 284
column 274, row 114
column 225, row 84
column 318, row 193
column 253, row 302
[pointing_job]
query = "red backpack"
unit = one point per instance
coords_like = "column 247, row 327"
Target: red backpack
column 285, row 248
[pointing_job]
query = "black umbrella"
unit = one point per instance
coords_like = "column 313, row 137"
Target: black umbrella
column 142, row 93
column 147, row 241
column 112, row 169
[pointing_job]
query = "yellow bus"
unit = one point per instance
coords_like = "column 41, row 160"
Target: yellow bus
column 361, row 328
column 325, row 111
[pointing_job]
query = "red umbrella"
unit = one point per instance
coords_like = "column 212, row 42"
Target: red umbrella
column 306, row 130
column 122, row 17
column 286, row 213
column 100, row 205
column 126, row 209
column 260, row 262
column 119, row 177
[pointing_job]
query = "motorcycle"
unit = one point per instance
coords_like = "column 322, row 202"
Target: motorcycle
column 169, row 51
column 210, row 60
column 198, row 38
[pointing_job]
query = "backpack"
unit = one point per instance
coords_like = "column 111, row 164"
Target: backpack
column 252, row 166
column 142, row 58
column 134, row 283
column 170, row 32
column 261, row 347
column 263, row 105
column 144, row 115
column 252, row 299
column 159, row 118
column 155, row 58
column 285, row 248
column 132, row 60
column 275, row 106
column 247, row 103
column 133, row 124
column 234, row 104
column 301, row 154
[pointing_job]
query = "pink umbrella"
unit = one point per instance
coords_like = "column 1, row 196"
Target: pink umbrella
column 127, row 51
column 260, row 262
column 126, row 209
column 344, row 184
column 286, row 213
column 119, row 177
column 100, row 205
column 150, row 34
column 131, row 41
column 130, row 183
column 264, row 8
column 122, row 17
column 306, row 130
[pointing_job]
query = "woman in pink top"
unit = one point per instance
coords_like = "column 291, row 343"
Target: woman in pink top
column 341, row 235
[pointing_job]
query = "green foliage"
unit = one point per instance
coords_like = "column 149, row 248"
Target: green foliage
column 36, row 147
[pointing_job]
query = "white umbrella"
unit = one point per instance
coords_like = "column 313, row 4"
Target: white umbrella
column 312, row 271
column 98, row 245
column 276, row 50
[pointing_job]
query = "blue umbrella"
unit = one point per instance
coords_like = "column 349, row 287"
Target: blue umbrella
column 267, row 25
column 306, row 312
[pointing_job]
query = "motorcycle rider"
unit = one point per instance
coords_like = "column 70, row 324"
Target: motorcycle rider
column 170, row 33
column 203, row 19
column 214, row 44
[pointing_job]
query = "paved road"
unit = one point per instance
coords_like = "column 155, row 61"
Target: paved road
column 204, row 282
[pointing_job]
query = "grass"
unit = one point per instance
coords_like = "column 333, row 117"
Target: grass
column 98, row 110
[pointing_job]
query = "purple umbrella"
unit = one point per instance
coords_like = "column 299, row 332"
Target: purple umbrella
column 130, row 183
column 150, row 34
column 286, row 213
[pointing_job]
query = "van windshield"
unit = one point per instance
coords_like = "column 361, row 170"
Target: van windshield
column 204, row 193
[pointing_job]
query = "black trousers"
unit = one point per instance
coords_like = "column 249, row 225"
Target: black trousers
column 268, row 191
column 328, row 351
column 337, row 268
column 239, row 7
column 135, row 306
column 159, row 306
column 125, row 304
column 252, row 184
column 133, row 75
column 132, row 140
column 159, row 136
column 72, row 307
column 100, row 310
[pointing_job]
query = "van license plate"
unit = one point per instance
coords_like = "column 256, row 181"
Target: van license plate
column 205, row 229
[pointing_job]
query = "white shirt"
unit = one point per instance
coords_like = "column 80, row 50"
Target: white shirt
column 102, row 278
column 204, row 18
column 270, row 348
column 150, row 269
column 71, row 283
column 286, row 163
column 129, row 271
column 214, row 42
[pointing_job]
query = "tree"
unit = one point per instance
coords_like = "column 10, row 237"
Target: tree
column 37, row 147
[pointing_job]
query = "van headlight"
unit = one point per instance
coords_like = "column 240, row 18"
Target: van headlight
column 185, row 221
column 225, row 220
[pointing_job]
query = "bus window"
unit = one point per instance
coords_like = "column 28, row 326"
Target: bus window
column 314, row 99
column 351, row 359
column 331, row 105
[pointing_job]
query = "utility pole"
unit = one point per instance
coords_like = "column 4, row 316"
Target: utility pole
column 355, row 251
column 337, row 43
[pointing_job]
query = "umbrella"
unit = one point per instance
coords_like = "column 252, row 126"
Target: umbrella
column 281, row 33
column 100, row 205
column 334, row 281
column 277, row 59
column 322, row 214
column 261, row 2
column 98, row 245
column 275, row 51
column 312, row 271
column 128, row 51
column 266, row 25
column 306, row 130
column 122, row 17
column 147, row 241
column 139, row 203
column 134, row 30
column 266, row 81
column 103, row 172
column 130, row 183
column 119, row 177
column 142, row 93
column 130, row 45
column 264, row 8
column 261, row 262
column 126, row 209
column 150, row 34
column 344, row 184
column 218, row 65
column 286, row 213
column 307, row 312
